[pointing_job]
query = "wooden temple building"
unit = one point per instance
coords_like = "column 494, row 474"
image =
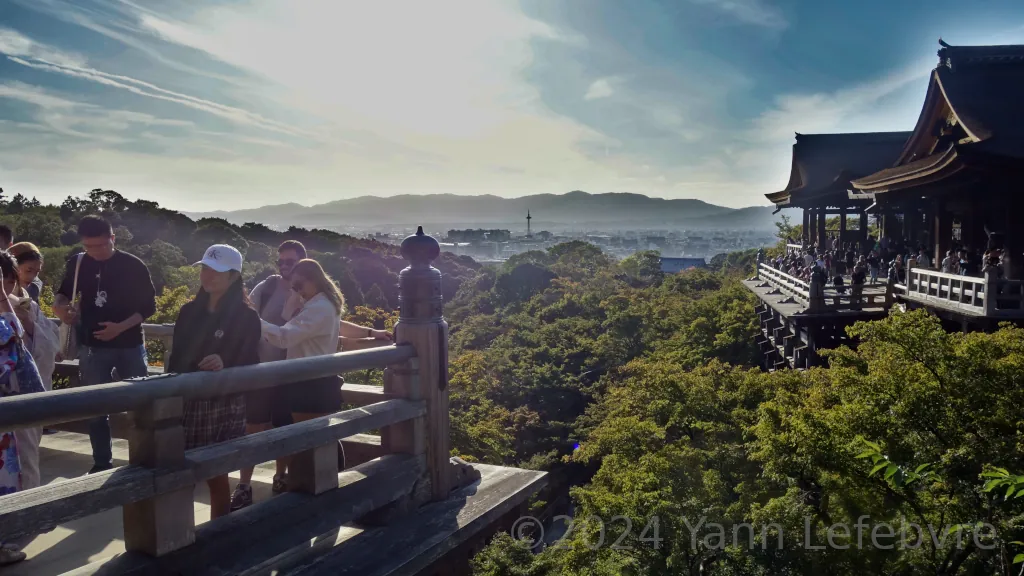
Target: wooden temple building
column 950, row 184
column 823, row 166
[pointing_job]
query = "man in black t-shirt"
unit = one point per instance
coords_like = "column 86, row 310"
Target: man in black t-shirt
column 115, row 295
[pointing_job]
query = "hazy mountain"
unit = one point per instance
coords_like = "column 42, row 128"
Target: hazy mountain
column 550, row 211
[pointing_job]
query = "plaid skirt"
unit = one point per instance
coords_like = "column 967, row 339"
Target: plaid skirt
column 215, row 420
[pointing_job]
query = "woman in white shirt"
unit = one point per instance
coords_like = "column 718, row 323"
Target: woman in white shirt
column 314, row 317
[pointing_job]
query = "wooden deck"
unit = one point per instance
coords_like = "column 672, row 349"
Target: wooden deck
column 305, row 540
column 798, row 310
column 68, row 455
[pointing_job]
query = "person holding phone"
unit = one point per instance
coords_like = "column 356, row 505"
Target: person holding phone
column 114, row 296
column 218, row 329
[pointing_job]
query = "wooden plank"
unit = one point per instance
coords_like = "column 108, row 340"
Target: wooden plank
column 40, row 409
column 70, row 367
column 361, row 448
column 43, row 508
column 362, row 394
column 422, row 538
column 287, row 522
column 33, row 511
column 210, row 461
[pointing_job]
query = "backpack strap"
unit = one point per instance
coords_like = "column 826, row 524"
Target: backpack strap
column 271, row 286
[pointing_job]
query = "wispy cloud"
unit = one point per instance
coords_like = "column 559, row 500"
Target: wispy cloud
column 149, row 90
column 600, row 88
column 13, row 43
column 754, row 12
column 852, row 108
column 34, row 95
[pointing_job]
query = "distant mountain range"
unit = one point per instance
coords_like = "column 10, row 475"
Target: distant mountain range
column 555, row 212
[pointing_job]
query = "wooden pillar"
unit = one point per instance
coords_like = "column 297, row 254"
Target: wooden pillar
column 166, row 522
column 806, row 229
column 842, row 226
column 421, row 324
column 943, row 233
column 821, row 227
column 409, row 437
column 991, row 292
column 315, row 471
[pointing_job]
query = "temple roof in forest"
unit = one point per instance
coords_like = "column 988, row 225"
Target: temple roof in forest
column 824, row 164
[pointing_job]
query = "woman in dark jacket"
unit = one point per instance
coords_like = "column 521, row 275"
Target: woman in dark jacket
column 218, row 329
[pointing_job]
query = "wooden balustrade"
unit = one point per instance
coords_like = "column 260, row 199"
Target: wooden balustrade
column 155, row 489
column 826, row 298
column 988, row 296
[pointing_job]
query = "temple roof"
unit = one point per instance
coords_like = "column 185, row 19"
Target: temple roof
column 824, row 164
column 973, row 106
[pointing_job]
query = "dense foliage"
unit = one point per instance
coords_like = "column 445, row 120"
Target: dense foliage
column 169, row 242
column 637, row 392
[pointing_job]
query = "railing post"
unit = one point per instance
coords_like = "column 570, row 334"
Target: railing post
column 166, row 522
column 816, row 291
column 760, row 260
column 991, row 291
column 409, row 437
column 890, row 291
column 421, row 324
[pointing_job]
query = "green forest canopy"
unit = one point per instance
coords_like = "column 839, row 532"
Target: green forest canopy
column 638, row 393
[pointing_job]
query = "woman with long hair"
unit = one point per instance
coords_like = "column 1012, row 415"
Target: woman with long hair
column 40, row 337
column 218, row 329
column 313, row 328
column 30, row 264
column 18, row 375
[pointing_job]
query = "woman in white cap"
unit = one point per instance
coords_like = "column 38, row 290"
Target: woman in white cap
column 217, row 329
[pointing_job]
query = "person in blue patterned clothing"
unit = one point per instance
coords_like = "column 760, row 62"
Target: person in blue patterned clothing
column 18, row 375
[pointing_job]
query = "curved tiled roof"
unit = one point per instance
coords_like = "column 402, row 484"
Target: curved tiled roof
column 983, row 88
column 824, row 163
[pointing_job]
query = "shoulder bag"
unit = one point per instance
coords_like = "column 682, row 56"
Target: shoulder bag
column 69, row 332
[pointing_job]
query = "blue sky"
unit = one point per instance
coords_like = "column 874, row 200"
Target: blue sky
column 240, row 103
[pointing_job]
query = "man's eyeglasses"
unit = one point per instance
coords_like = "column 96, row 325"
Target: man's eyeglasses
column 286, row 262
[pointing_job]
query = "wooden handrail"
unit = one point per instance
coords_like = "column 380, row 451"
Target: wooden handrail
column 42, row 408
column 43, row 508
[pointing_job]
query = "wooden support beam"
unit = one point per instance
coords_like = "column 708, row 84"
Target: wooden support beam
column 165, row 522
column 842, row 227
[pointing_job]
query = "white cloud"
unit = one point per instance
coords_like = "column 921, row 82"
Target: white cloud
column 34, row 95
column 755, row 12
column 850, row 109
column 600, row 88
column 13, row 43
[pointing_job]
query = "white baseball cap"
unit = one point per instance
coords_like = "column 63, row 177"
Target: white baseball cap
column 222, row 258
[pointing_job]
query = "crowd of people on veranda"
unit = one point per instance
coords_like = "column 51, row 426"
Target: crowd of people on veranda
column 854, row 264
column 104, row 298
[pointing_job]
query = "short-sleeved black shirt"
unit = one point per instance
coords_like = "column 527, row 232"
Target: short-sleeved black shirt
column 125, row 287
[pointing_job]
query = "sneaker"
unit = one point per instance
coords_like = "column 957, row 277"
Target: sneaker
column 100, row 468
column 280, row 484
column 241, row 497
column 9, row 556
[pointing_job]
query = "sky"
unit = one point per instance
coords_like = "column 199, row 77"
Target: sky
column 228, row 104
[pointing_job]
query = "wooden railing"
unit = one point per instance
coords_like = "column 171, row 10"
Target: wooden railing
column 155, row 491
column 985, row 296
column 824, row 298
column 788, row 285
